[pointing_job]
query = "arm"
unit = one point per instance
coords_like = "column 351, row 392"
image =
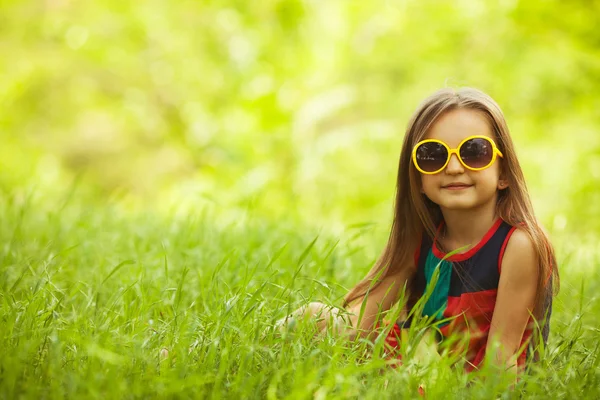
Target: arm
column 380, row 299
column 515, row 301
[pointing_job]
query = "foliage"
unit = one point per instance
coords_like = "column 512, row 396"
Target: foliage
column 91, row 297
column 182, row 174
column 292, row 106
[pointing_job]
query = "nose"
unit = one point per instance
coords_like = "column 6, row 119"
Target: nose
column 454, row 166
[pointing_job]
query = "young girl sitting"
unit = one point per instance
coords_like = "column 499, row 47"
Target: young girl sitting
column 460, row 190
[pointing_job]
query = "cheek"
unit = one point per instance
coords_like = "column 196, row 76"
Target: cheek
column 427, row 182
column 494, row 170
column 488, row 180
column 491, row 174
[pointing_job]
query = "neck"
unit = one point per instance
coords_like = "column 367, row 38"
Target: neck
column 467, row 227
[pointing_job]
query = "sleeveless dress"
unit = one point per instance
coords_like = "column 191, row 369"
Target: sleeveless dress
column 465, row 292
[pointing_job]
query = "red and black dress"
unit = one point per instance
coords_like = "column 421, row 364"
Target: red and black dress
column 463, row 299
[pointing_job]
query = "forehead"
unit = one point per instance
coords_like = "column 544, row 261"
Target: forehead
column 456, row 125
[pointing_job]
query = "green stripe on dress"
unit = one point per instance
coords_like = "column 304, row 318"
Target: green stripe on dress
column 437, row 302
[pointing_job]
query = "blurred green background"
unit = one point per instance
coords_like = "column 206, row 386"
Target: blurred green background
column 290, row 109
column 166, row 169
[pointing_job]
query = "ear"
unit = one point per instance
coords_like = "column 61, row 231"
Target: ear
column 502, row 183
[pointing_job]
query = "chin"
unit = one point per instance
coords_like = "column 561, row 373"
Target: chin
column 458, row 204
column 458, row 207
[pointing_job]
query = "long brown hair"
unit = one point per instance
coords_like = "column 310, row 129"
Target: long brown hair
column 415, row 214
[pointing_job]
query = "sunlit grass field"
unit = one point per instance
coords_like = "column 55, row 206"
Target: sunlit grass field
column 100, row 302
column 175, row 177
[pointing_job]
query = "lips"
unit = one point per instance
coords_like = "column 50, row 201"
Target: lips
column 457, row 186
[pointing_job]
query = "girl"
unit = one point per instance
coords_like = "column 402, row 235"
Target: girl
column 460, row 190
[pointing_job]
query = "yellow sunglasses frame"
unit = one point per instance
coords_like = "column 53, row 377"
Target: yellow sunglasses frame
column 496, row 153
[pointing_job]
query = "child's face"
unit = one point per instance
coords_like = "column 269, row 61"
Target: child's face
column 457, row 187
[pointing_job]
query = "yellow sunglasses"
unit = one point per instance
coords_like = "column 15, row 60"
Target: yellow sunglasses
column 477, row 152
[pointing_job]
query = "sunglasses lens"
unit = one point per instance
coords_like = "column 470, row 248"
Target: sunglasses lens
column 431, row 156
column 477, row 153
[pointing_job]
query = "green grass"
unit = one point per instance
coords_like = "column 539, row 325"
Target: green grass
column 89, row 295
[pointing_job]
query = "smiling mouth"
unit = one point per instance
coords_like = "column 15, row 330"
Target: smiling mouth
column 456, row 186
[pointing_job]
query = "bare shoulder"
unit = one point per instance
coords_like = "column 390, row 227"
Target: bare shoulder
column 520, row 257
